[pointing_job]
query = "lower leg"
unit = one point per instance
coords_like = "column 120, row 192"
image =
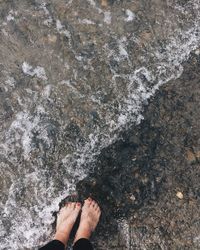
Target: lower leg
column 89, row 219
column 66, row 219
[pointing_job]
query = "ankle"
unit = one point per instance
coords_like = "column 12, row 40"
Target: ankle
column 61, row 237
column 83, row 233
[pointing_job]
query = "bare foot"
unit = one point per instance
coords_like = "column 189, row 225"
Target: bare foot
column 89, row 219
column 65, row 221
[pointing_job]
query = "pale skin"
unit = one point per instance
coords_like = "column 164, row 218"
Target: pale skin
column 90, row 214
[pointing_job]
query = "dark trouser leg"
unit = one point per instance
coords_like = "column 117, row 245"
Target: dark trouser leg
column 54, row 245
column 83, row 244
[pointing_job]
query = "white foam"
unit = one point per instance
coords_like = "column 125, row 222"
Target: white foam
column 69, row 2
column 120, row 54
column 22, row 126
column 122, row 50
column 197, row 239
column 107, row 17
column 99, row 10
column 124, row 229
column 130, row 16
column 61, row 29
column 38, row 71
column 27, row 232
column 10, row 82
column 92, row 2
column 11, row 15
column 4, row 32
column 59, row 26
column 71, row 86
column 86, row 21
column 49, row 19
column 47, row 91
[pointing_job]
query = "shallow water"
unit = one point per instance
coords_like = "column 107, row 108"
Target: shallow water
column 74, row 75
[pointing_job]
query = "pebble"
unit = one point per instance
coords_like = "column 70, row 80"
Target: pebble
column 190, row 156
column 104, row 3
column 197, row 52
column 132, row 197
column 52, row 38
column 179, row 195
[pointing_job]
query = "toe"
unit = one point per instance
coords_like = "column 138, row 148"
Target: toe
column 93, row 204
column 88, row 201
column 96, row 206
column 73, row 205
column 69, row 204
column 78, row 205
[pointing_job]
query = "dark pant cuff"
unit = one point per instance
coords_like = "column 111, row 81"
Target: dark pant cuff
column 54, row 245
column 82, row 244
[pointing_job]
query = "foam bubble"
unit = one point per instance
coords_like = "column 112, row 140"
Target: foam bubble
column 86, row 21
column 107, row 17
column 61, row 29
column 38, row 71
column 11, row 15
column 130, row 16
